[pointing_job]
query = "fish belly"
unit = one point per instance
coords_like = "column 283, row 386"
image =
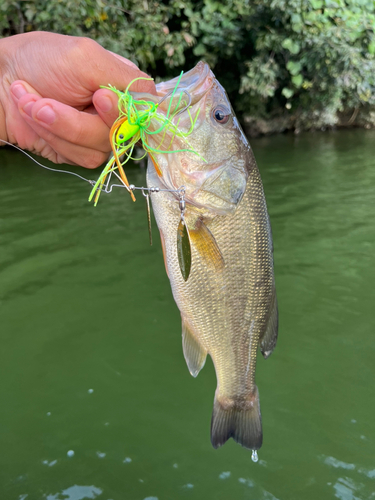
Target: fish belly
column 225, row 313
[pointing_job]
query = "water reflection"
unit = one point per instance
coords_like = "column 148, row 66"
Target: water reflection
column 338, row 463
column 258, row 492
column 50, row 464
column 346, row 488
column 76, row 493
column 224, row 475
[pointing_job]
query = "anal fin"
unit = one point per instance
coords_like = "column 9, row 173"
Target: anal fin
column 195, row 354
column 204, row 242
column 269, row 338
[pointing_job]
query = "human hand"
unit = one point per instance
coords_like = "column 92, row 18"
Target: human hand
column 50, row 98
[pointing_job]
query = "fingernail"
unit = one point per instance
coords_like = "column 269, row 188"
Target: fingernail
column 105, row 104
column 46, row 114
column 28, row 107
column 18, row 90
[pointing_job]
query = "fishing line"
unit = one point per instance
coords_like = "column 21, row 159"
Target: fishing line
column 108, row 189
column 45, row 166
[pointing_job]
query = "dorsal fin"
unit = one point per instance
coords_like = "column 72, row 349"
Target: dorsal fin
column 195, row 354
column 204, row 242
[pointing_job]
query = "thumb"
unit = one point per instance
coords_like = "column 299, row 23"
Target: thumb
column 105, row 102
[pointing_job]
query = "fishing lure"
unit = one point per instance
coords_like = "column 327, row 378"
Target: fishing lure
column 138, row 119
column 136, row 122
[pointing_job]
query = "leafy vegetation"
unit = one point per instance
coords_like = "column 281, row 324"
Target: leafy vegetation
column 306, row 62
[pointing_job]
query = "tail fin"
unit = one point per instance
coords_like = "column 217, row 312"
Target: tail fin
column 239, row 419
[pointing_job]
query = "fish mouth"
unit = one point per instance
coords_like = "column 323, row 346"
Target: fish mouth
column 175, row 96
column 195, row 83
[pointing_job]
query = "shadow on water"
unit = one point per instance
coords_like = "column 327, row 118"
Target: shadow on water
column 96, row 400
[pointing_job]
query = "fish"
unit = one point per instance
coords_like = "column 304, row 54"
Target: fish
column 228, row 300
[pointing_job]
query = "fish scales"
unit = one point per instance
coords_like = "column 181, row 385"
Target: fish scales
column 226, row 312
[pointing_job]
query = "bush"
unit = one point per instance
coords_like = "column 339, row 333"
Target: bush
column 307, row 60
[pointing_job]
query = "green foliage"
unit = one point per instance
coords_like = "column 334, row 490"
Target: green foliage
column 135, row 29
column 307, row 58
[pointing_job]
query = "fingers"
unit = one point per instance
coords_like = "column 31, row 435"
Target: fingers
column 84, row 129
column 63, row 134
column 105, row 102
column 18, row 131
column 20, row 88
column 64, row 122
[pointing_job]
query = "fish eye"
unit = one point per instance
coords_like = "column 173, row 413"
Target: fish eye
column 221, row 114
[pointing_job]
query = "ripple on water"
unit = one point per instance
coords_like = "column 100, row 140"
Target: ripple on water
column 50, row 464
column 248, row 482
column 368, row 473
column 338, row 464
column 224, row 475
column 77, row 492
column 345, row 489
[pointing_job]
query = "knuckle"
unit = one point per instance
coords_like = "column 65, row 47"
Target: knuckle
column 60, row 159
column 78, row 136
column 83, row 46
column 93, row 160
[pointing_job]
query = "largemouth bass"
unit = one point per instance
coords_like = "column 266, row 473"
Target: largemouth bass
column 228, row 302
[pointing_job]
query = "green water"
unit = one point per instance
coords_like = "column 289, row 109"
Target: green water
column 91, row 358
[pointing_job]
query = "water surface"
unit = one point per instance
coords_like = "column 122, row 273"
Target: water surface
column 91, row 360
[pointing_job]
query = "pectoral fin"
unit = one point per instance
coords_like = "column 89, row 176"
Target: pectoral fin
column 269, row 338
column 195, row 354
column 204, row 242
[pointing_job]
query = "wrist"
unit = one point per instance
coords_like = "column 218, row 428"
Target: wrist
column 3, row 64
